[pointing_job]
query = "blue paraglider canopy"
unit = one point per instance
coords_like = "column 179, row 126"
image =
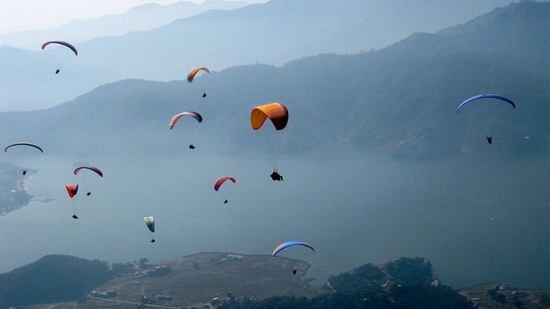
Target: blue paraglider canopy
column 291, row 243
column 485, row 96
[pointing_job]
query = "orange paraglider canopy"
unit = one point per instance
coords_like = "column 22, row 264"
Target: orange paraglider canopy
column 194, row 72
column 277, row 112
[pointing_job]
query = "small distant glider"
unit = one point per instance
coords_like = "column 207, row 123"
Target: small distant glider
column 67, row 44
column 177, row 117
column 23, row 144
column 91, row 168
column 221, row 180
column 194, row 72
column 289, row 244
column 486, row 96
column 150, row 222
column 72, row 189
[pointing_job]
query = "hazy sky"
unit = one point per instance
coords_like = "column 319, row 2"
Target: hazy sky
column 19, row 15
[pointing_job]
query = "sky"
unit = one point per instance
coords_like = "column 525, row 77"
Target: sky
column 21, row 15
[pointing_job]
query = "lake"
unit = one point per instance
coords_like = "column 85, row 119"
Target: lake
column 477, row 218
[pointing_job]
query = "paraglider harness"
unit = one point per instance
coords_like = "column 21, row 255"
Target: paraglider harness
column 276, row 176
column 489, row 139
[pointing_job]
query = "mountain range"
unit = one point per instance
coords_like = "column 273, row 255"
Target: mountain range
column 400, row 99
column 140, row 18
column 272, row 33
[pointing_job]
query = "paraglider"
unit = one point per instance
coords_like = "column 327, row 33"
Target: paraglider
column 66, row 44
column 291, row 243
column 204, row 94
column 72, row 190
column 287, row 244
column 91, row 168
column 177, row 117
column 278, row 114
column 150, row 222
column 486, row 96
column 222, row 180
column 24, row 144
column 194, row 71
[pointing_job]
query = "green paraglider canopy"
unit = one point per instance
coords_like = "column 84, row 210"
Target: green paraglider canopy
column 150, row 222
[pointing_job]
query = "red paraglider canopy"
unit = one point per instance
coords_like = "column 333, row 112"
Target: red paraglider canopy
column 72, row 189
column 221, row 180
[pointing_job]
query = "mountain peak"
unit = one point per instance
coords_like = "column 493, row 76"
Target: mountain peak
column 526, row 23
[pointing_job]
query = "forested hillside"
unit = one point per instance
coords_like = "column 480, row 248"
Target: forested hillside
column 405, row 283
column 53, row 278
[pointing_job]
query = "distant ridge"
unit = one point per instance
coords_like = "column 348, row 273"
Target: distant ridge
column 273, row 33
column 140, row 18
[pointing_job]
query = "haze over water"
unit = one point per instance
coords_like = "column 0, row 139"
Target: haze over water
column 477, row 218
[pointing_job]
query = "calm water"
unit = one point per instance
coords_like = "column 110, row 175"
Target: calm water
column 479, row 219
